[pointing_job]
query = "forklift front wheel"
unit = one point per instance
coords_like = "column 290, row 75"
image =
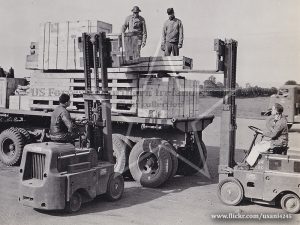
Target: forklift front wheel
column 230, row 191
column 75, row 203
column 115, row 187
column 290, row 203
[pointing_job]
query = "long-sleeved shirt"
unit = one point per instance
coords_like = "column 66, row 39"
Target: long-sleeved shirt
column 172, row 31
column 61, row 122
column 136, row 24
column 277, row 131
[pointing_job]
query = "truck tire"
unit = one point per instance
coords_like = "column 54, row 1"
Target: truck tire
column 119, row 154
column 150, row 163
column 129, row 142
column 191, row 160
column 129, row 145
column 11, row 146
column 115, row 187
column 170, row 148
column 25, row 134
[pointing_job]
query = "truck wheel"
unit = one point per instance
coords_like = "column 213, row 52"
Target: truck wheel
column 75, row 203
column 230, row 191
column 25, row 134
column 127, row 141
column 290, row 203
column 119, row 154
column 150, row 162
column 115, row 187
column 170, row 148
column 11, row 146
column 129, row 145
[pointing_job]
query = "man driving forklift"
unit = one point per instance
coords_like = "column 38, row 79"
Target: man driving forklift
column 61, row 127
column 275, row 137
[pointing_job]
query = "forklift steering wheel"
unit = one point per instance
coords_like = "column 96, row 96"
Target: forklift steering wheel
column 256, row 130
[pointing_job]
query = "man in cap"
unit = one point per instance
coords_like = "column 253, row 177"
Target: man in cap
column 172, row 35
column 61, row 126
column 136, row 23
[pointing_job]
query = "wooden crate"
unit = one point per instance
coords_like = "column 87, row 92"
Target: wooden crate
column 58, row 43
column 7, row 88
column 45, row 89
column 160, row 97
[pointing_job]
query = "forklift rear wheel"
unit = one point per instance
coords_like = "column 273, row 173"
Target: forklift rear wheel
column 230, row 191
column 11, row 146
column 115, row 187
column 290, row 203
column 75, row 203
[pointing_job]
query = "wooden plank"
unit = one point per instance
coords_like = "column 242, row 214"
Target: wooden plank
column 41, row 75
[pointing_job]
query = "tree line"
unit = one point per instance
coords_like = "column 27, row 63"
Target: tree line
column 216, row 89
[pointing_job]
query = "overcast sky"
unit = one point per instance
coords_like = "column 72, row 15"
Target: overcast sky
column 268, row 31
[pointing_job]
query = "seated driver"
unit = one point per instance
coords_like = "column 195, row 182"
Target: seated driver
column 61, row 127
column 275, row 135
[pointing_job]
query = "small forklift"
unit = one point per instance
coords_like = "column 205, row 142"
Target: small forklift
column 56, row 176
column 275, row 178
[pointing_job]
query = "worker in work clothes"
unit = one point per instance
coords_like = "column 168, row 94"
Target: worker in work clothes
column 275, row 135
column 61, row 127
column 136, row 23
column 172, row 35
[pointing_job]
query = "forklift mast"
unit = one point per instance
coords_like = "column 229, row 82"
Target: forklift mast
column 96, row 54
column 227, row 56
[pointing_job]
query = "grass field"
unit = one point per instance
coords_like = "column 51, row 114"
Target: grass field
column 246, row 107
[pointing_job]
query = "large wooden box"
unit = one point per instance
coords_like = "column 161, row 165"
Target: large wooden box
column 161, row 97
column 7, row 88
column 168, row 97
column 45, row 89
column 58, row 43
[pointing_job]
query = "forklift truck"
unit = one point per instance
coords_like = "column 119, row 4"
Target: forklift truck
column 59, row 176
column 275, row 178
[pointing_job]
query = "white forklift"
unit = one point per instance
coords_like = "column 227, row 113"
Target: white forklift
column 275, row 178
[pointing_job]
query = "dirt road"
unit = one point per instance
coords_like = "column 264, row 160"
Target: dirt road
column 184, row 200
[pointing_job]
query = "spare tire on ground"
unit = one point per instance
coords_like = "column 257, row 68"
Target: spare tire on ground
column 150, row 162
column 11, row 146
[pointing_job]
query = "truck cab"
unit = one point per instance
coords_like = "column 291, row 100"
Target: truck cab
column 289, row 97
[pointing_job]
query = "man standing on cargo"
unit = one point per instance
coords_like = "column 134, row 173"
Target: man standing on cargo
column 136, row 23
column 172, row 35
column 61, row 127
